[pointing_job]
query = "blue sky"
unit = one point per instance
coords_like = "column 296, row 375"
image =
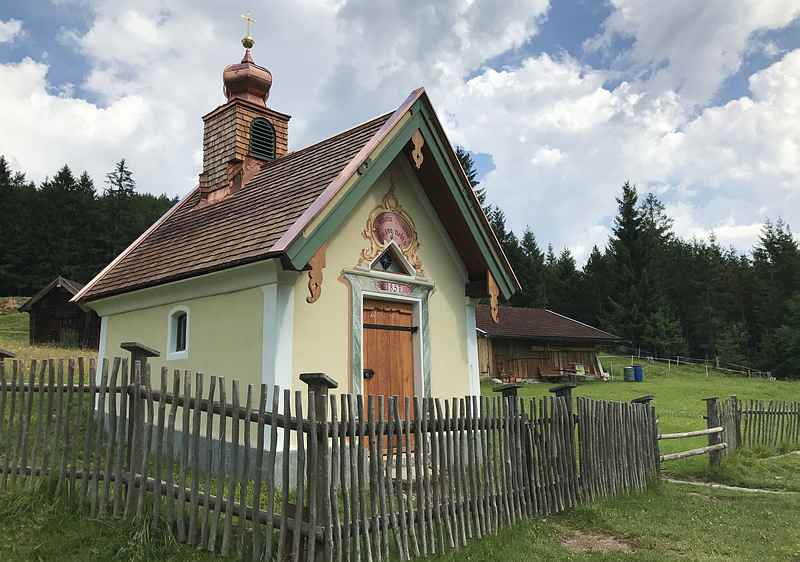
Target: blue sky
column 560, row 102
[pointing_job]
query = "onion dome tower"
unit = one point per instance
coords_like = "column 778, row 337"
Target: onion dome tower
column 240, row 136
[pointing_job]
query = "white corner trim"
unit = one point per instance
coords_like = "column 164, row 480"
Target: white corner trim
column 277, row 345
column 101, row 349
column 472, row 350
column 177, row 355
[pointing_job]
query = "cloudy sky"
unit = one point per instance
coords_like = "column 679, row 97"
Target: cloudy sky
column 560, row 101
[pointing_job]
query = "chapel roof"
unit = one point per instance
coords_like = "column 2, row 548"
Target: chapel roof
column 537, row 324
column 192, row 240
column 271, row 215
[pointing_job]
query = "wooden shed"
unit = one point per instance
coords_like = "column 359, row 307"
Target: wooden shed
column 536, row 343
column 53, row 319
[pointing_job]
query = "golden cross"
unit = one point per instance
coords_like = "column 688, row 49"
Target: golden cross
column 248, row 20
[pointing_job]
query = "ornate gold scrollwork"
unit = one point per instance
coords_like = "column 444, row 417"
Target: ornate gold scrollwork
column 494, row 293
column 389, row 222
column 316, row 264
column 418, row 141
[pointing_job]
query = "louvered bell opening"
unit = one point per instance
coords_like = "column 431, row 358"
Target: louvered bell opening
column 262, row 139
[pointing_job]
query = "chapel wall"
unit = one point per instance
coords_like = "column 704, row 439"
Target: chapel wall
column 322, row 329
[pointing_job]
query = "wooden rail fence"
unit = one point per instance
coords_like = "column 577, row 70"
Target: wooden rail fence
column 768, row 423
column 272, row 475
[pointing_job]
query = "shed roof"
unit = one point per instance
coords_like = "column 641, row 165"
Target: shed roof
column 268, row 218
column 537, row 324
column 72, row 287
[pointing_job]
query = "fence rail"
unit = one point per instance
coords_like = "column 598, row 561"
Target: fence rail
column 275, row 474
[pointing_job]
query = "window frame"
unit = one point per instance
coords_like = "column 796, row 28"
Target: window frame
column 173, row 323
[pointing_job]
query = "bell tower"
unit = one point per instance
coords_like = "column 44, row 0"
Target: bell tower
column 243, row 134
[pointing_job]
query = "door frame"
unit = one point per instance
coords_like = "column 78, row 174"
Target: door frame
column 418, row 346
column 390, row 287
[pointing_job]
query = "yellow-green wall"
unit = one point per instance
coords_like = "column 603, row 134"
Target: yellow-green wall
column 226, row 331
column 322, row 330
column 225, row 334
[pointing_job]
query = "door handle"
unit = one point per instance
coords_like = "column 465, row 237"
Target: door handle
column 368, row 374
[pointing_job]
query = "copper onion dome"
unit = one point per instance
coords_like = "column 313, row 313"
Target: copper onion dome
column 246, row 80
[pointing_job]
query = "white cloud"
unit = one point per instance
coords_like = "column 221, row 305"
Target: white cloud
column 10, row 30
column 689, row 46
column 334, row 64
column 725, row 169
column 562, row 140
column 52, row 130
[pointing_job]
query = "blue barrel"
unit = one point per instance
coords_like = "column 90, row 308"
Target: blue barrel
column 629, row 374
column 638, row 373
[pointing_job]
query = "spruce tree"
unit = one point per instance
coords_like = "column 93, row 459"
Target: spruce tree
column 594, row 288
column 119, row 181
column 531, row 274
column 626, row 305
column 468, row 165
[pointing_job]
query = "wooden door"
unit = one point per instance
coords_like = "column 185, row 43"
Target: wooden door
column 389, row 349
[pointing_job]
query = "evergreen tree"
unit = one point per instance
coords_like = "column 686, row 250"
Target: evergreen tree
column 785, row 343
column 565, row 283
column 63, row 227
column 662, row 333
column 119, row 181
column 627, row 304
column 594, row 288
column 531, row 273
column 509, row 243
column 732, row 345
column 776, row 267
column 468, row 165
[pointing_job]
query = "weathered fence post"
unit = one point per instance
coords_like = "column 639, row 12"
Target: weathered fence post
column 564, row 391
column 507, row 390
column 320, row 384
column 139, row 355
column 737, row 420
column 712, row 420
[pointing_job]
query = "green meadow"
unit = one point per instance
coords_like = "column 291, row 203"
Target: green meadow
column 668, row 522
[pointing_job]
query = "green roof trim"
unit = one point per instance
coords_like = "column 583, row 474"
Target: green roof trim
column 303, row 248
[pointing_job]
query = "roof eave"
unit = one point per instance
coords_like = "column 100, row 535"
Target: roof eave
column 319, row 205
column 563, row 339
column 85, row 294
column 293, row 237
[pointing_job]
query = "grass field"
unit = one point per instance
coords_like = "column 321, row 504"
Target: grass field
column 668, row 522
column 14, row 338
column 678, row 397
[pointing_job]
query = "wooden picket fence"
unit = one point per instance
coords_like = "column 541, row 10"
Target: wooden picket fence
column 618, row 447
column 768, row 423
column 273, row 476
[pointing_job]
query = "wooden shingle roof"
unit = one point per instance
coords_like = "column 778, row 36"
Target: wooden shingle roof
column 191, row 240
column 537, row 324
column 272, row 216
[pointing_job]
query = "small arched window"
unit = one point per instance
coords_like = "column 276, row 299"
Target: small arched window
column 262, row 139
column 178, row 335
